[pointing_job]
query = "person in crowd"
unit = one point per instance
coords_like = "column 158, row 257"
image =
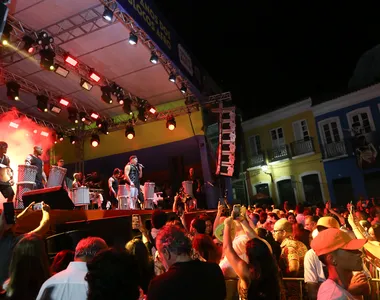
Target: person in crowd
column 159, row 219
column 301, row 234
column 209, row 224
column 137, row 248
column 185, row 278
column 342, row 256
column 78, row 180
column 61, row 260
column 300, row 217
column 8, row 237
column 114, row 275
column 29, row 268
column 291, row 218
column 197, row 226
column 206, row 248
column 113, row 185
column 70, row 284
column 258, row 277
column 374, row 232
column 268, row 236
column 311, row 223
column 35, row 160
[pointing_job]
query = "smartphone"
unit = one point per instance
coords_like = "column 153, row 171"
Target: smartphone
column 236, row 211
column 37, row 206
column 9, row 212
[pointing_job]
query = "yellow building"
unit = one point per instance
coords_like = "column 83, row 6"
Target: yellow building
column 284, row 156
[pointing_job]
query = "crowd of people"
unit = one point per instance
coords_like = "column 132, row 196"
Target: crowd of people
column 241, row 253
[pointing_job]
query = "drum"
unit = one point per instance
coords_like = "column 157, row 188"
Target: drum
column 123, row 191
column 27, row 173
column 149, row 195
column 81, row 196
column 188, row 187
column 5, row 173
column 56, row 176
column 22, row 187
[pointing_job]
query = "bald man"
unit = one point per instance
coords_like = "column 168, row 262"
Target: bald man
column 35, row 160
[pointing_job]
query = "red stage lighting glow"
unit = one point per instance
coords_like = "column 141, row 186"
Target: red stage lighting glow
column 35, row 131
column 70, row 60
column 30, row 50
column 95, row 77
column 44, row 133
column 152, row 110
column 64, row 102
column 94, row 116
column 13, row 124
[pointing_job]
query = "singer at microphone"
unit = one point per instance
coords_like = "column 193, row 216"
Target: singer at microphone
column 132, row 175
column 141, row 165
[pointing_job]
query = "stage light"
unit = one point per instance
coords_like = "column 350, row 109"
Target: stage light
column 55, row 109
column 44, row 40
column 120, row 101
column 82, row 116
column 13, row 89
column 127, row 106
column 130, row 132
column 133, row 39
column 47, row 59
column 60, row 136
column 95, row 140
column 107, row 14
column 44, row 133
column 85, row 84
column 73, row 114
column 42, row 103
column 183, row 89
column 104, row 127
column 73, row 139
column 64, row 102
column 35, row 131
column 142, row 114
column 171, row 124
column 95, row 77
column 106, row 94
column 99, row 123
column 172, row 77
column 154, row 58
column 28, row 44
column 14, row 125
column 94, row 115
column 152, row 110
column 6, row 36
column 71, row 60
column 61, row 70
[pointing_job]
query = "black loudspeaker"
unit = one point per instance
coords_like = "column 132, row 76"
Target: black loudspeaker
column 55, row 197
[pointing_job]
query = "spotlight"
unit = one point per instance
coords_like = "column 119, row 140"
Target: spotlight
column 85, row 84
column 64, row 102
column 127, row 106
column 44, row 133
column 73, row 139
column 183, row 89
column 44, row 40
column 130, row 132
column 55, row 109
column 28, row 44
column 94, row 115
column 6, row 36
column 120, row 101
column 152, row 110
column 104, row 127
column 172, row 77
column 42, row 103
column 106, row 94
column 60, row 136
column 14, row 125
column 82, row 116
column 13, row 89
column 73, row 114
column 142, row 114
column 154, row 58
column 133, row 39
column 47, row 59
column 71, row 60
column 95, row 77
column 171, row 123
column 99, row 123
column 61, row 70
column 95, row 140
column 107, row 14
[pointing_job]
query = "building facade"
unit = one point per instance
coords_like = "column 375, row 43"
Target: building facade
column 284, row 157
column 347, row 132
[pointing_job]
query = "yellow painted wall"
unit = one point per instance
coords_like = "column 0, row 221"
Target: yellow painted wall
column 147, row 135
column 293, row 167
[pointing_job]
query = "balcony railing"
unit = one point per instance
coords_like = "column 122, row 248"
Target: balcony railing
column 257, row 160
column 334, row 149
column 302, row 147
column 279, row 153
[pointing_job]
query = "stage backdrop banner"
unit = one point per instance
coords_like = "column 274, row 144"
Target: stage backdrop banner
column 148, row 17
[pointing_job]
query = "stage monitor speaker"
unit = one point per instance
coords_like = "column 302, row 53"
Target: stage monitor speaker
column 55, row 197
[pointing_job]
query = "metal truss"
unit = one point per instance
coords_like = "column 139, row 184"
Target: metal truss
column 128, row 22
column 219, row 98
column 31, row 87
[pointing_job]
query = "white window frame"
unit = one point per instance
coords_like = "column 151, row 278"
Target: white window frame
column 254, row 139
column 327, row 121
column 320, row 184
column 299, row 121
column 366, row 110
column 283, row 135
column 278, row 192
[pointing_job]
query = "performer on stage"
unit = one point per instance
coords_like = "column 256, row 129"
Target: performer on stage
column 113, row 185
column 35, row 160
column 6, row 182
column 132, row 174
column 61, row 164
column 78, row 177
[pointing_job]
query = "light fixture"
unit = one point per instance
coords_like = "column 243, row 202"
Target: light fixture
column 99, row 123
column 106, row 94
column 47, row 59
column 120, row 100
column 94, row 115
column 6, row 35
column 44, row 40
column 85, row 84
column 172, row 77
column 154, row 58
column 42, row 103
column 71, row 60
column 127, row 106
column 130, row 132
column 64, row 102
column 61, row 70
column 104, row 127
column 60, row 136
column 82, row 116
column 29, row 44
column 183, row 88
column 152, row 110
column 95, row 140
column 133, row 39
column 44, row 133
column 107, row 14
column 73, row 114
column 95, row 77
column 55, row 109
column 266, row 170
column 171, row 124
column 142, row 114
column 73, row 139
column 13, row 89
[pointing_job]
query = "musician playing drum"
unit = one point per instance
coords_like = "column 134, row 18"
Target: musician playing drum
column 61, row 163
column 113, row 185
column 35, row 160
column 6, row 182
column 132, row 174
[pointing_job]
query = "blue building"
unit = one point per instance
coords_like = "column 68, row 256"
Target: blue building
column 348, row 132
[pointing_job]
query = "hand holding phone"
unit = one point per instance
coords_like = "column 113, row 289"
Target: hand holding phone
column 236, row 211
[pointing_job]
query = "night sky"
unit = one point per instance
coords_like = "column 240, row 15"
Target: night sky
column 272, row 53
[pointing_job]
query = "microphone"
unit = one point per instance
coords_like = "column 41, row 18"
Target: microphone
column 141, row 165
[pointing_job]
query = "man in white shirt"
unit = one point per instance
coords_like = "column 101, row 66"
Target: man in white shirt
column 70, row 284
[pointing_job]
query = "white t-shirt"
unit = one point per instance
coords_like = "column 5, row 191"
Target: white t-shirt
column 238, row 244
column 329, row 290
column 313, row 268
